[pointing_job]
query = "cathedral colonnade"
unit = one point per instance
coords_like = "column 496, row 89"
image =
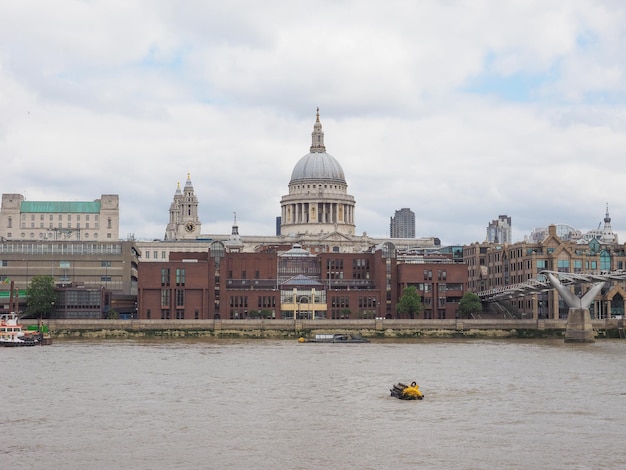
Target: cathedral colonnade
column 318, row 212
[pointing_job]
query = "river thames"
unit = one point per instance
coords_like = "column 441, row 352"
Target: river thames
column 265, row 404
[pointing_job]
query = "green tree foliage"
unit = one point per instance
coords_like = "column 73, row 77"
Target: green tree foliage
column 40, row 297
column 113, row 314
column 470, row 305
column 265, row 313
column 410, row 302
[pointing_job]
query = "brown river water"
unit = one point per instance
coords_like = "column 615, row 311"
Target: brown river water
column 265, row 404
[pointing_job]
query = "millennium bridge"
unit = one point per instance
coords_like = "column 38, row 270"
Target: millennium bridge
column 543, row 283
column 579, row 325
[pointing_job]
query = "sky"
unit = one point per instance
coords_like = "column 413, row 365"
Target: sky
column 459, row 110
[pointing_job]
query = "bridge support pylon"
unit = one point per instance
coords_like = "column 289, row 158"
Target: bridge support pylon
column 579, row 328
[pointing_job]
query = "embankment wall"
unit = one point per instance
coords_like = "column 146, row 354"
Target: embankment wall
column 290, row 329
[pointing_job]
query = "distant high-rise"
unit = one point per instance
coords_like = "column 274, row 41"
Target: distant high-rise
column 402, row 224
column 499, row 231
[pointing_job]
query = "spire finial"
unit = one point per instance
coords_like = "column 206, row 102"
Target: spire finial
column 235, row 231
column 317, row 145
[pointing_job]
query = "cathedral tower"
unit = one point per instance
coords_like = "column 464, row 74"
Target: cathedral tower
column 184, row 223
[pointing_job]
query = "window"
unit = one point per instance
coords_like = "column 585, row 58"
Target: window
column 165, row 276
column 578, row 266
column 180, row 297
column 605, row 261
column 180, row 276
column 165, row 297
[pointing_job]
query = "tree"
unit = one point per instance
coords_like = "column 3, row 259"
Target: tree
column 410, row 302
column 470, row 305
column 40, row 297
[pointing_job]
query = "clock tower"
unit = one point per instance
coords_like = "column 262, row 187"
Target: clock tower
column 184, row 223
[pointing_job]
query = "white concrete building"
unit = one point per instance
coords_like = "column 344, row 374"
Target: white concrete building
column 97, row 220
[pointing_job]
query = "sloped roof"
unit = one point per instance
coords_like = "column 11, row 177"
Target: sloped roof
column 61, row 207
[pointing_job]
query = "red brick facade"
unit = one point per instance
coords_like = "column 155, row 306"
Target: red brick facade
column 271, row 285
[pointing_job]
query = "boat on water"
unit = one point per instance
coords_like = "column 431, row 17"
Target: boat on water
column 336, row 338
column 11, row 333
column 407, row 392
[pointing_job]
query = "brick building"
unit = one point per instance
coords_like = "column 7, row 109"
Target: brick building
column 296, row 284
column 493, row 266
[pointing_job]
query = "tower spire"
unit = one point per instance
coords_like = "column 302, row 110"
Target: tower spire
column 235, row 231
column 317, row 144
column 188, row 182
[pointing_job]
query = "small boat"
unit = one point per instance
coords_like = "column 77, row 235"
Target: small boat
column 407, row 392
column 336, row 338
column 11, row 333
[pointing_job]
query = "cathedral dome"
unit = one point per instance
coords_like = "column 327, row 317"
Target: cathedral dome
column 318, row 199
column 317, row 164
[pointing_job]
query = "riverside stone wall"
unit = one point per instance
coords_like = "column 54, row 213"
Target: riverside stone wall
column 290, row 329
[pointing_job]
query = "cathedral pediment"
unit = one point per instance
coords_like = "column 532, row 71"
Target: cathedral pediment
column 335, row 237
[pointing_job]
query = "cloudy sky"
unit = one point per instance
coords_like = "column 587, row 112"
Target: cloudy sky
column 459, row 110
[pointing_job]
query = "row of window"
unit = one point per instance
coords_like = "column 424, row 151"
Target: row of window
column 442, row 275
column 60, row 221
column 59, row 216
column 43, row 235
column 39, row 248
column 180, row 276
